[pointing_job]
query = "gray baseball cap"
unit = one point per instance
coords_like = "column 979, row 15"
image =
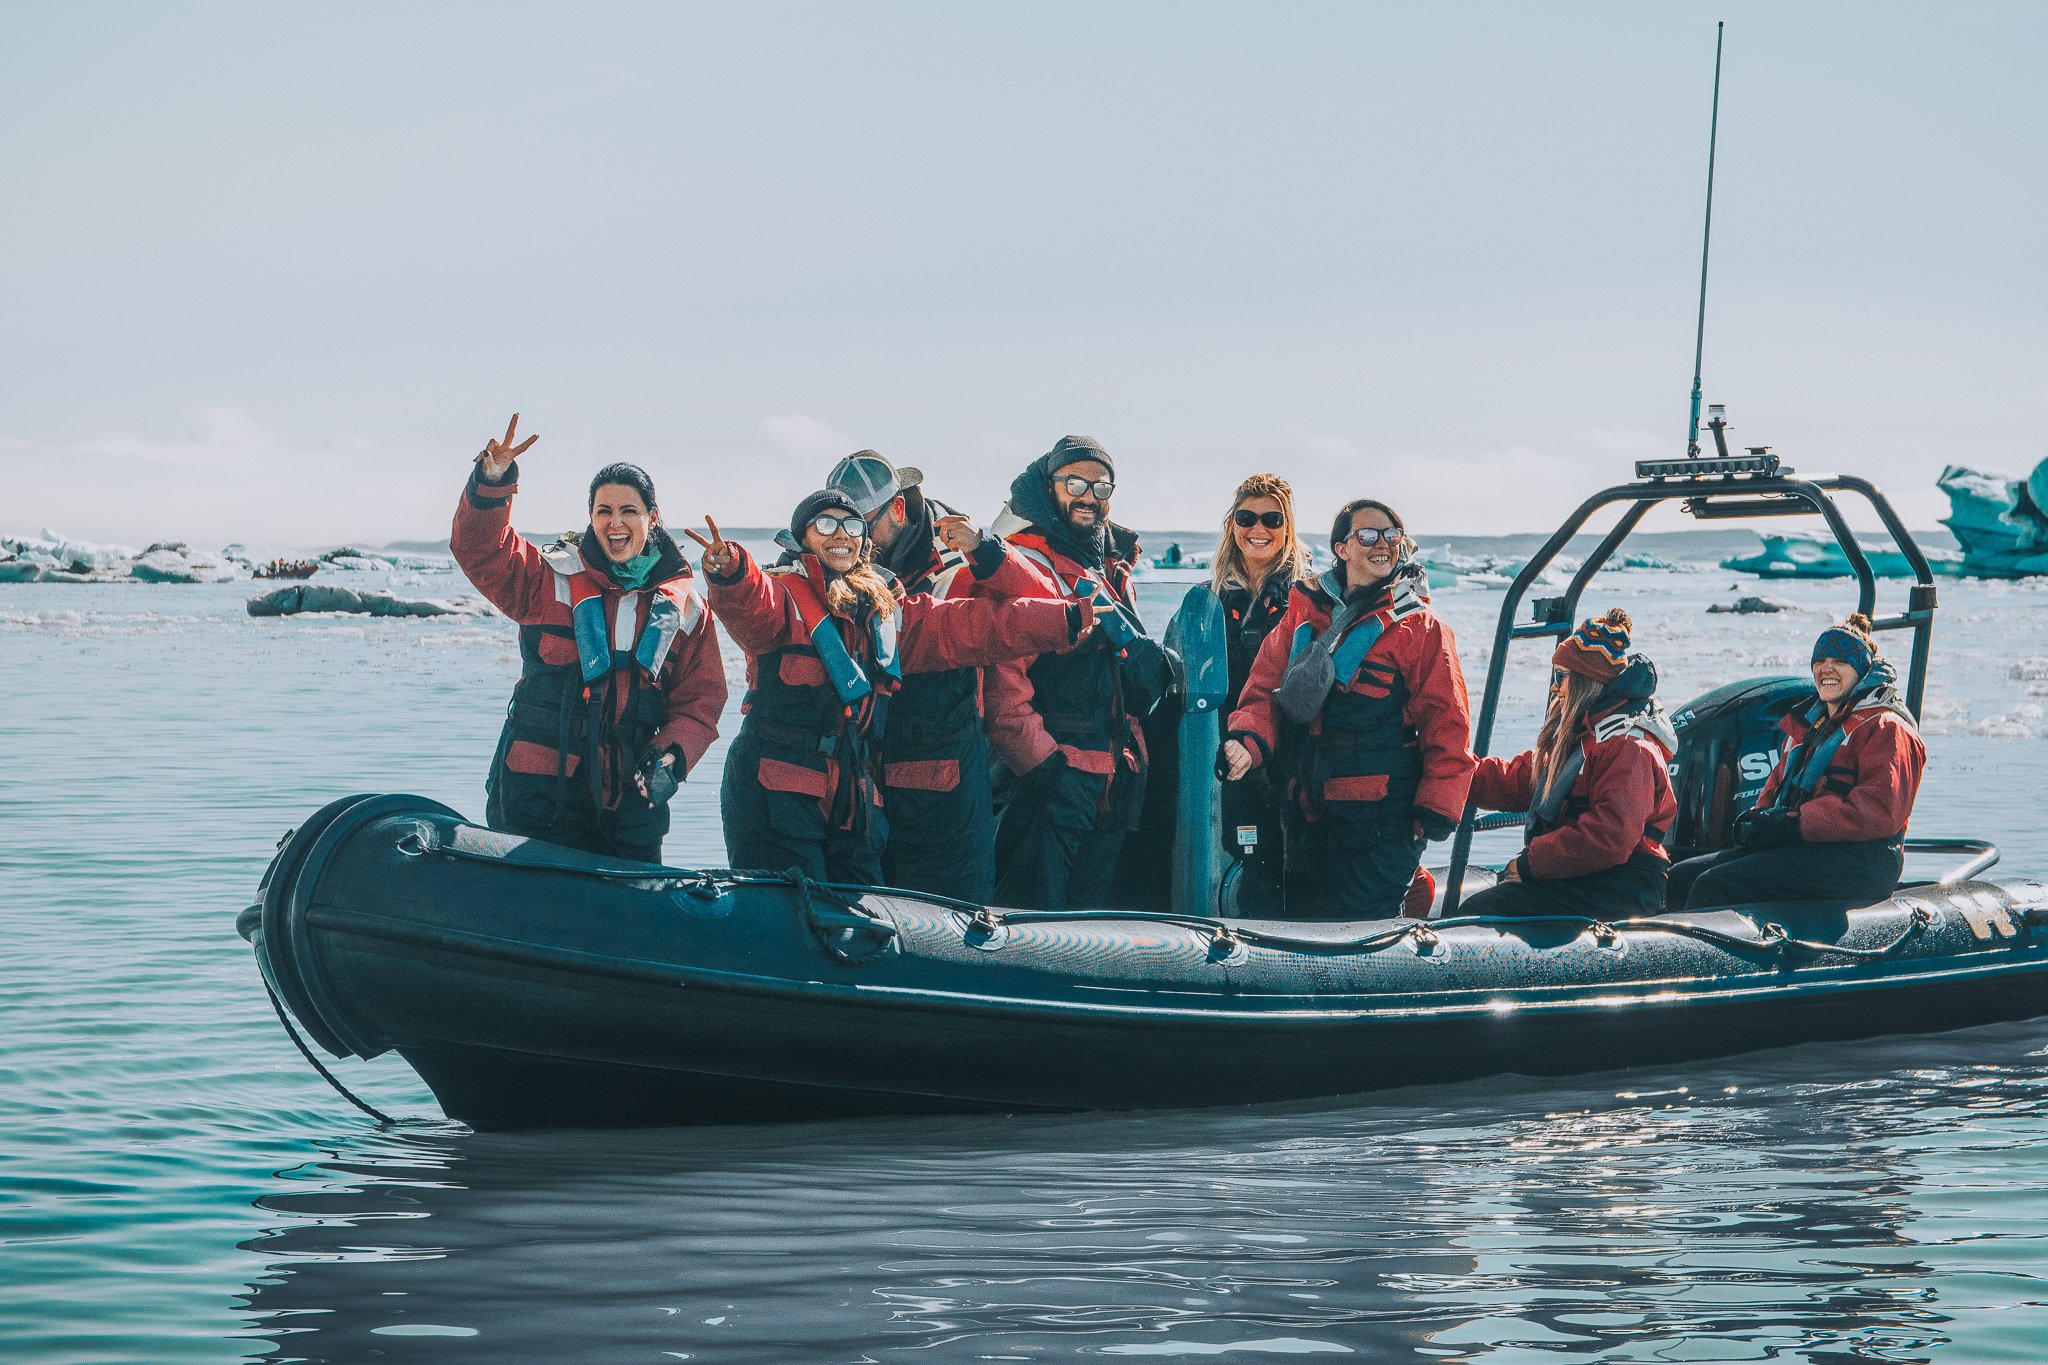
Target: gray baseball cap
column 870, row 482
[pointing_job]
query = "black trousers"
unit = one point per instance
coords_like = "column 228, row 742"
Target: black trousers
column 1059, row 839
column 524, row 803
column 1634, row 888
column 1356, row 862
column 773, row 831
column 944, row 842
column 1849, row 874
column 1256, row 802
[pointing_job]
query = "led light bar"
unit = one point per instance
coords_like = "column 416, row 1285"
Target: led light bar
column 1707, row 466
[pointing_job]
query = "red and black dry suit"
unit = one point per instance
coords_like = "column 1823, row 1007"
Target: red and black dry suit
column 935, row 768
column 607, row 676
column 1391, row 747
column 802, row 780
column 1256, row 802
column 1849, row 781
column 1596, row 833
column 1069, row 724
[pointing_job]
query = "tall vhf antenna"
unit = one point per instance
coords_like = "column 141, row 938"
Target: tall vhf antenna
column 1699, row 344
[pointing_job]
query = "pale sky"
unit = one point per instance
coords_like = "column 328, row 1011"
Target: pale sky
column 273, row 273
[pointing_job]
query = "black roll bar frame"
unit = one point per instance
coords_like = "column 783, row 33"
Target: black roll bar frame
column 1707, row 498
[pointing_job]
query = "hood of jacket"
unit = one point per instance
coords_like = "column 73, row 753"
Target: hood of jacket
column 1033, row 505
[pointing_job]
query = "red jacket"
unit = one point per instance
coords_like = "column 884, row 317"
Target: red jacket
column 520, row 581
column 931, row 634
column 1421, row 648
column 1621, row 803
column 1016, row 728
column 1871, row 779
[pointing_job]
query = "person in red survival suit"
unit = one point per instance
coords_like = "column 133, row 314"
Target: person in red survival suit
column 1384, row 758
column 828, row 641
column 620, row 683
column 1067, row 725
column 935, row 766
column 1597, row 787
column 1830, row 822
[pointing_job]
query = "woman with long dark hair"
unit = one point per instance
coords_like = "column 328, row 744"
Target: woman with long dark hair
column 1596, row 787
column 827, row 639
column 620, row 683
column 1384, row 750
column 1830, row 822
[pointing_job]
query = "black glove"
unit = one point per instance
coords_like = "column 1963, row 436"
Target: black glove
column 659, row 776
column 1436, row 828
column 1760, row 829
column 1047, row 775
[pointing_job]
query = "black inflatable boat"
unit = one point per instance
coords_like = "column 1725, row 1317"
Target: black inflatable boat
column 531, row 985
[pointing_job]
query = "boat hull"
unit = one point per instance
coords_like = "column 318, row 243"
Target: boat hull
column 531, row 986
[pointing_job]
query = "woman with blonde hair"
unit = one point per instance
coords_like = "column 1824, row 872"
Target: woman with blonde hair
column 1257, row 563
column 1383, row 728
column 1596, row 786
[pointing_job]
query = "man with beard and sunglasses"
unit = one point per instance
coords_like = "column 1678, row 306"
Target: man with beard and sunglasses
column 935, row 767
column 1068, row 725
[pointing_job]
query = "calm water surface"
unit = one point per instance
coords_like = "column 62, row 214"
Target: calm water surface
column 176, row 1185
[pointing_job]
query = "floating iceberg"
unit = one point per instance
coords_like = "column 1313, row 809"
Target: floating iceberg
column 1812, row 554
column 315, row 597
column 2000, row 522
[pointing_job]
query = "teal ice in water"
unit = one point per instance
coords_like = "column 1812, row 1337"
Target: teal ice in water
column 176, row 1185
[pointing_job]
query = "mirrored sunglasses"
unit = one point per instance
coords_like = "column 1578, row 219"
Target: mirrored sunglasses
column 1366, row 535
column 1076, row 486
column 825, row 524
column 1247, row 518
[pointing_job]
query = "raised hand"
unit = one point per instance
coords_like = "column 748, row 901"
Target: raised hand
column 959, row 533
column 720, row 555
column 497, row 456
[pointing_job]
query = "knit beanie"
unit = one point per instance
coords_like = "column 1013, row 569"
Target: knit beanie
column 1075, row 449
column 1849, row 642
column 824, row 500
column 1598, row 649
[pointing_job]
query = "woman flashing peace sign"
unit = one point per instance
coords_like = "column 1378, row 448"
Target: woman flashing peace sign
column 828, row 638
column 620, row 684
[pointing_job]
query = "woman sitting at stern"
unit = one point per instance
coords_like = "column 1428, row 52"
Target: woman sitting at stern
column 620, row 683
column 1596, row 786
column 1380, row 723
column 1257, row 564
column 1830, row 822
column 827, row 639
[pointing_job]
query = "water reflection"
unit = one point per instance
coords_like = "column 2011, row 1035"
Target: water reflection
column 1758, row 1213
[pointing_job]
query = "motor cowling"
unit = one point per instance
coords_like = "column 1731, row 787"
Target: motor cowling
column 1727, row 745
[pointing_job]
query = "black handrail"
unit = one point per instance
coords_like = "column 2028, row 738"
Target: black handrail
column 1708, row 498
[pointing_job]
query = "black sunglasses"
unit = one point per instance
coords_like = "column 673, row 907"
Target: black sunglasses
column 1366, row 535
column 1076, row 486
column 1247, row 518
column 825, row 524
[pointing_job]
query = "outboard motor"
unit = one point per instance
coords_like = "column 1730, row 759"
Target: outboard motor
column 1727, row 744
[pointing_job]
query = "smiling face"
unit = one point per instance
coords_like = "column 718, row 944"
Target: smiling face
column 838, row 551
column 1368, row 564
column 621, row 518
column 1083, row 511
column 1259, row 545
column 1834, row 680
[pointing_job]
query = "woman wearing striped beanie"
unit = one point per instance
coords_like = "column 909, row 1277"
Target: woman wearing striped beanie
column 1830, row 822
column 1596, row 787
